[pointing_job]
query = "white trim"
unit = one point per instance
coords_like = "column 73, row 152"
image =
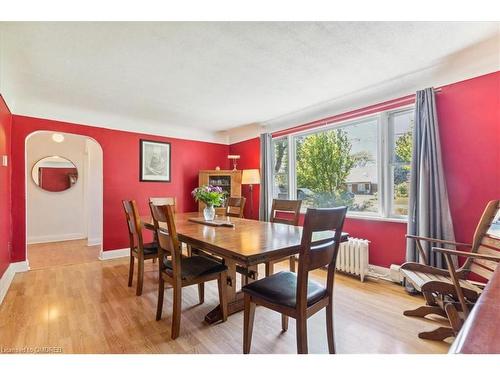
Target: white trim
column 351, row 215
column 55, row 238
column 93, row 241
column 114, row 254
column 8, row 276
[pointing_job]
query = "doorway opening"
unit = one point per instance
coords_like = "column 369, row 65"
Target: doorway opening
column 64, row 195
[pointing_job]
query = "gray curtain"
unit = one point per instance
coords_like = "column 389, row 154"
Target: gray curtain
column 429, row 211
column 266, row 176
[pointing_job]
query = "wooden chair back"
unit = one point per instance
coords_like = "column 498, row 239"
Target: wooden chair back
column 290, row 209
column 485, row 244
column 235, row 206
column 168, row 241
column 160, row 201
column 134, row 225
column 323, row 254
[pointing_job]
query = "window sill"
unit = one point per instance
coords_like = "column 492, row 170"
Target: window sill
column 377, row 218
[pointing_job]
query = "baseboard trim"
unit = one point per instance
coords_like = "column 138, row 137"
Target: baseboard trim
column 56, row 238
column 93, row 241
column 379, row 272
column 8, row 276
column 114, row 254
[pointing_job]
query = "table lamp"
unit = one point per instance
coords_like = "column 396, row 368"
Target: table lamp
column 250, row 177
column 234, row 158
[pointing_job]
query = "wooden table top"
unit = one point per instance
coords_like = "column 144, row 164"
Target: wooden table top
column 249, row 242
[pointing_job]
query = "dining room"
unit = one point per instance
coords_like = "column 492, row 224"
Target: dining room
column 247, row 188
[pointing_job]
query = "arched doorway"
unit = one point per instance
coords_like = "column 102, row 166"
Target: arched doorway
column 64, row 193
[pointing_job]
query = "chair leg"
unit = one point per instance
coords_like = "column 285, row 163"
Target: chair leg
column 131, row 271
column 269, row 268
column 438, row 334
column 454, row 318
column 154, row 260
column 329, row 328
column 284, row 322
column 222, row 285
column 248, row 324
column 176, row 315
column 422, row 311
column 292, row 263
column 429, row 298
column 161, row 292
column 140, row 276
column 301, row 323
column 201, row 292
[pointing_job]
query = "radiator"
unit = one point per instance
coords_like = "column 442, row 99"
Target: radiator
column 353, row 257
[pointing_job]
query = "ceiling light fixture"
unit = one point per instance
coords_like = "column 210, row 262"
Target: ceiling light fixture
column 56, row 137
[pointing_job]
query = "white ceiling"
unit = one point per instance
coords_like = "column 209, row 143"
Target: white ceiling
column 193, row 79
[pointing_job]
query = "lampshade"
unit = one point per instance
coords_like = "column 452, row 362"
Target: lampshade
column 250, row 177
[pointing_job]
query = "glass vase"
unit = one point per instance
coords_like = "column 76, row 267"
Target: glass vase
column 209, row 213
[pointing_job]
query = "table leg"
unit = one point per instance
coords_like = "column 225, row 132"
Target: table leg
column 234, row 298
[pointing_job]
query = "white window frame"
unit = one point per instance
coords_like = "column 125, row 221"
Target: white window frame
column 385, row 131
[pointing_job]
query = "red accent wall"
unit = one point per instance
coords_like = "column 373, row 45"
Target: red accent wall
column 120, row 174
column 469, row 121
column 5, row 186
column 249, row 152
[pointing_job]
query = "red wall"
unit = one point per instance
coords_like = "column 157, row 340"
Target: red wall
column 120, row 174
column 5, row 213
column 249, row 152
column 469, row 121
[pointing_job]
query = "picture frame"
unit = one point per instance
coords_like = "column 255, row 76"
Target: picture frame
column 154, row 161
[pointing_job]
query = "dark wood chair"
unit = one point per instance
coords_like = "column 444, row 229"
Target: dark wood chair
column 138, row 249
column 235, row 206
column 284, row 212
column 294, row 295
column 160, row 201
column 180, row 271
column 447, row 292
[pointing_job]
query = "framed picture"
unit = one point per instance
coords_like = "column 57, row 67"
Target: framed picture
column 154, row 161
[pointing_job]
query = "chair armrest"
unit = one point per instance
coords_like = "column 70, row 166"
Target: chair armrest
column 466, row 254
column 428, row 239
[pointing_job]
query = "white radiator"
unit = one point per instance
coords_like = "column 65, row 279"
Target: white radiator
column 353, row 257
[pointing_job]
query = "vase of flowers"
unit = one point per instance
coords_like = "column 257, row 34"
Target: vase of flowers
column 212, row 196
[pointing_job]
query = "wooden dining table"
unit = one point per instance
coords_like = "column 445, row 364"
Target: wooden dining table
column 241, row 247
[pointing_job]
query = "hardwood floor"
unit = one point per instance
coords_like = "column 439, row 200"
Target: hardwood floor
column 88, row 308
column 43, row 255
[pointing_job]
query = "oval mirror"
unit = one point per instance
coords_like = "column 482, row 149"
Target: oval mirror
column 54, row 173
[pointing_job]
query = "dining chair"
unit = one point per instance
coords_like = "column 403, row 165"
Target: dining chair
column 180, row 271
column 235, row 206
column 285, row 212
column 294, row 294
column 160, row 201
column 138, row 249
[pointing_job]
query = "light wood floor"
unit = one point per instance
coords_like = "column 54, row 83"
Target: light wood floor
column 88, row 308
column 43, row 255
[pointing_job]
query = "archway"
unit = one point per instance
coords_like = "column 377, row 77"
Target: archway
column 64, row 195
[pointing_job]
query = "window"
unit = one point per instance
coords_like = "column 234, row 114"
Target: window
column 400, row 140
column 364, row 164
column 280, row 169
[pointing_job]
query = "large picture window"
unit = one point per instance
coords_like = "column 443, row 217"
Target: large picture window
column 363, row 163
